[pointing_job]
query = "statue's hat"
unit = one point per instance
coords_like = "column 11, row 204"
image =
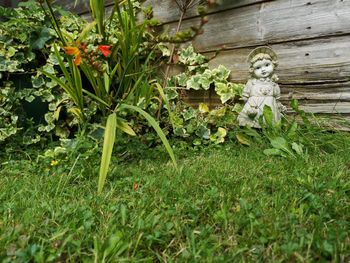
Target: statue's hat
column 262, row 50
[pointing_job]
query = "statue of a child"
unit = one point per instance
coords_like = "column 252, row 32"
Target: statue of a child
column 261, row 88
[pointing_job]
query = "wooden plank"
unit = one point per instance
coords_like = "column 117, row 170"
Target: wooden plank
column 329, row 108
column 167, row 10
column 324, row 92
column 304, row 95
column 82, row 6
column 272, row 22
column 327, row 98
column 310, row 61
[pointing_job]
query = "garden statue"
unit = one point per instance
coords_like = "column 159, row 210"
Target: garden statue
column 261, row 88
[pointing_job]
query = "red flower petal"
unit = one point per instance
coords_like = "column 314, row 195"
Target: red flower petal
column 105, row 50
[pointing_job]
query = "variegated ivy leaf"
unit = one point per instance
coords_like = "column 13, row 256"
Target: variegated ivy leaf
column 30, row 98
column 189, row 114
column 218, row 112
column 11, row 52
column 181, row 132
column 237, row 108
column 186, row 55
column 49, row 68
column 204, row 82
column 219, row 136
column 182, row 79
column 225, row 91
column 203, row 132
column 165, row 50
column 238, row 88
column 221, row 73
column 193, row 83
column 171, row 93
column 38, row 81
column 189, row 57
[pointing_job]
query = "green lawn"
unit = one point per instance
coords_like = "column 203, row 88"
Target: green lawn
column 230, row 203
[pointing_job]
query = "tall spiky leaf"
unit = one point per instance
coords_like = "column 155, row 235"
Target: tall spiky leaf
column 108, row 143
column 156, row 127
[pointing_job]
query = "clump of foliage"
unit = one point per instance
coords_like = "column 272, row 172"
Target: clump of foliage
column 26, row 42
column 202, row 125
column 117, row 63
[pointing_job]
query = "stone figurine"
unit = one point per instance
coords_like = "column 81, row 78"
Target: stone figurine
column 261, row 89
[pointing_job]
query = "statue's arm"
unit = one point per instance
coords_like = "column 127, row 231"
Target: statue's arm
column 277, row 94
column 277, row 91
column 247, row 90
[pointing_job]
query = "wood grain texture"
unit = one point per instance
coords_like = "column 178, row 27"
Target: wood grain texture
column 309, row 61
column 312, row 105
column 82, row 6
column 167, row 10
column 330, row 92
column 272, row 22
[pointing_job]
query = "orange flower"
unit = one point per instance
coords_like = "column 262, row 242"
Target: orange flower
column 74, row 51
column 105, row 50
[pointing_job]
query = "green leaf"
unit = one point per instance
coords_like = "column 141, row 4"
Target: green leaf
column 281, row 144
column 108, row 144
column 273, row 152
column 268, row 115
column 225, row 91
column 203, row 108
column 38, row 41
column 298, row 148
column 219, row 136
column 204, row 82
column 124, row 126
column 203, row 132
column 86, row 31
column 189, row 114
column 292, row 130
column 221, row 73
column 171, row 93
column 193, row 83
column 182, row 79
column 242, row 139
column 294, row 104
column 197, row 142
column 156, row 127
column 11, row 52
column 166, row 101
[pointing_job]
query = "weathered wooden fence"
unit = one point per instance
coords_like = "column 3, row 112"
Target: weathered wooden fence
column 311, row 38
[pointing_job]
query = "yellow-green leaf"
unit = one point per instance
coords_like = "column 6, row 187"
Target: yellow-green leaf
column 124, row 126
column 242, row 139
column 108, row 143
column 203, row 108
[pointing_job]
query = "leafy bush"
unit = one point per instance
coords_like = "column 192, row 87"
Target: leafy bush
column 26, row 41
column 202, row 125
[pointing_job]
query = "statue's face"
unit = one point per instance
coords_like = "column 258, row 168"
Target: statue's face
column 263, row 68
